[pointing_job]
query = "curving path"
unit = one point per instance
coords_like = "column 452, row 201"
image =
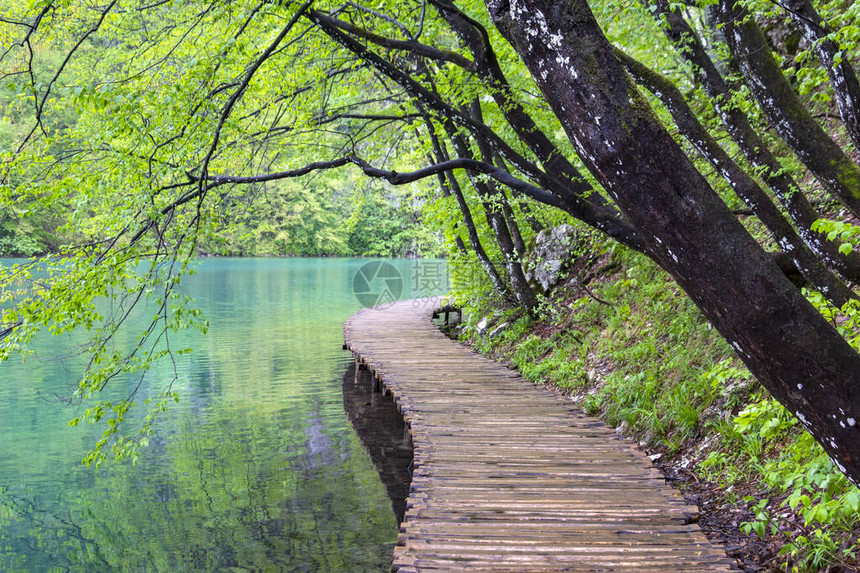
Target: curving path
column 508, row 476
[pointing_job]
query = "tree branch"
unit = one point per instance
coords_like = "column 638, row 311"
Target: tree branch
column 600, row 217
column 228, row 108
column 407, row 45
column 40, row 106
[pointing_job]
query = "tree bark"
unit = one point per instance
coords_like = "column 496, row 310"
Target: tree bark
column 477, row 41
column 784, row 341
column 498, row 195
column 444, row 187
column 513, row 263
column 535, row 225
column 513, row 226
column 498, row 283
column 842, row 75
column 753, row 147
column 777, row 99
column 809, row 265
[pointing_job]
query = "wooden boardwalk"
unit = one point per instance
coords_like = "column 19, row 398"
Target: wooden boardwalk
column 508, row 476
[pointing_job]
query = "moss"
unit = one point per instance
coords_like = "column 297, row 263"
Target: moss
column 849, row 175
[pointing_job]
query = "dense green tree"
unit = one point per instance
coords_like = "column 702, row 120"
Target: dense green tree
column 511, row 108
column 20, row 236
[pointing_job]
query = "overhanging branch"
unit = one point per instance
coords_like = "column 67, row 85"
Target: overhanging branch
column 393, row 177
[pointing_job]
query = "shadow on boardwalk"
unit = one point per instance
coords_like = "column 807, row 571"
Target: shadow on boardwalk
column 508, row 476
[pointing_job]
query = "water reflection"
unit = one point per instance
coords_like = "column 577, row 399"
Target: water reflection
column 382, row 431
column 319, row 446
column 256, row 468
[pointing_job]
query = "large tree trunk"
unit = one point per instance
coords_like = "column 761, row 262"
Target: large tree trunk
column 842, row 75
column 753, row 147
column 809, row 265
column 833, row 169
column 792, row 350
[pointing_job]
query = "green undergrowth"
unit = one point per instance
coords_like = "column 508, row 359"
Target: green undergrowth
column 632, row 349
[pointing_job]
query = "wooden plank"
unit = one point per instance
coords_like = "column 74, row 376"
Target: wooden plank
column 508, row 476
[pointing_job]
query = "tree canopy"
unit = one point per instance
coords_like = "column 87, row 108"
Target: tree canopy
column 717, row 137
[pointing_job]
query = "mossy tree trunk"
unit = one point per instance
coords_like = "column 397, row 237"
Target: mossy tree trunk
column 751, row 144
column 777, row 99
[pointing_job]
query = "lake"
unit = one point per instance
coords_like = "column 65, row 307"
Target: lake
column 257, row 468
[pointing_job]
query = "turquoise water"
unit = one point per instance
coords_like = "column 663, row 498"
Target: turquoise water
column 255, row 469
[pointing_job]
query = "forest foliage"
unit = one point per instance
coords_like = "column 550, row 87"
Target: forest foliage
column 327, row 215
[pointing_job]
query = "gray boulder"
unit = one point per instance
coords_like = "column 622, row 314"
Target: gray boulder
column 551, row 254
column 482, row 325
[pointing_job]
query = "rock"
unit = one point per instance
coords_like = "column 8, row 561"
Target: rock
column 498, row 330
column 593, row 376
column 655, row 457
column 481, row 327
column 551, row 254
